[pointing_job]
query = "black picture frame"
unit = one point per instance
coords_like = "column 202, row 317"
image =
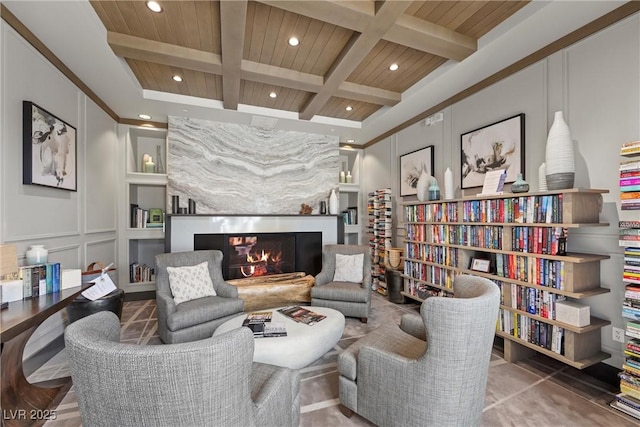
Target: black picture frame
column 499, row 145
column 411, row 166
column 49, row 149
column 480, row 264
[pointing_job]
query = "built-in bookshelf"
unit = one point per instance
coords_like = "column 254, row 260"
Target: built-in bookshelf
column 380, row 234
column 350, row 194
column 519, row 242
column 628, row 400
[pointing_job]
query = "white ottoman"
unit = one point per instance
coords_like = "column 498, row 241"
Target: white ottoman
column 303, row 344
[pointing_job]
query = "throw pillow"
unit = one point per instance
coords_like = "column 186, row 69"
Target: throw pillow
column 348, row 268
column 190, row 282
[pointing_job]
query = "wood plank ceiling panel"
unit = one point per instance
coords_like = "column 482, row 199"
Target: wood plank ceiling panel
column 336, row 107
column 252, row 93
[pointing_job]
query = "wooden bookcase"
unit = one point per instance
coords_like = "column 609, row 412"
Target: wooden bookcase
column 519, row 237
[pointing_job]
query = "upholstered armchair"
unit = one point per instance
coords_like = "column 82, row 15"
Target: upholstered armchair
column 193, row 319
column 345, row 287
column 208, row 382
column 432, row 371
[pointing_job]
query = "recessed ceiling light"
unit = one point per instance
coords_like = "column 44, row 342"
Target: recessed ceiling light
column 154, row 6
column 351, row 141
column 273, row 95
column 177, row 78
column 293, row 41
column 393, row 67
column 144, row 116
column 349, row 108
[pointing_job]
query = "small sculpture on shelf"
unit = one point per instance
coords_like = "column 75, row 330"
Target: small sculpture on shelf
column 305, row 209
column 520, row 185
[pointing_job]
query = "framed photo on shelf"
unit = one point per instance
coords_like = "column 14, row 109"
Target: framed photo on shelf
column 49, row 149
column 483, row 265
column 411, row 166
column 499, row 145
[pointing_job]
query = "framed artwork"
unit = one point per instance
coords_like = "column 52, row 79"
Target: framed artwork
column 411, row 166
column 49, row 149
column 499, row 145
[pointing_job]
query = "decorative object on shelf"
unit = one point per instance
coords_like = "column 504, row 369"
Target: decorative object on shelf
column 182, row 211
column 323, row 207
column 559, row 158
column 192, row 206
column 520, row 185
column 448, row 184
column 37, row 254
column 159, row 164
column 48, row 149
column 149, row 166
column 422, row 188
column 542, row 177
column 434, row 190
column 305, row 209
column 155, row 217
column 411, row 167
column 333, row 202
column 175, row 204
column 145, row 159
column 343, row 178
column 349, row 178
column 499, row 145
column 394, row 258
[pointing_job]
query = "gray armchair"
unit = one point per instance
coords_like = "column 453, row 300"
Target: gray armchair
column 208, row 382
column 437, row 382
column 196, row 319
column 351, row 299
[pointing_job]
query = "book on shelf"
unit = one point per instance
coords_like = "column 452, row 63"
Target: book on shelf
column 302, row 315
column 627, row 404
column 40, row 279
column 628, row 224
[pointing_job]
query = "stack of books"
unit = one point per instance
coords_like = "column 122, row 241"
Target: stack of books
column 261, row 325
column 630, row 181
column 630, row 149
column 302, row 315
column 629, row 236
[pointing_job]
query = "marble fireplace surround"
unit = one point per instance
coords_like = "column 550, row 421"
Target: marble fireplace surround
column 180, row 229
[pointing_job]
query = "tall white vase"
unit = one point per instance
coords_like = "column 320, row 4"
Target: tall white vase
column 559, row 157
column 448, row 184
column 333, row 203
column 422, row 186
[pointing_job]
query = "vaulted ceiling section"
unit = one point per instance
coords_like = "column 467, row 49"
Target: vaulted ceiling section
column 237, row 51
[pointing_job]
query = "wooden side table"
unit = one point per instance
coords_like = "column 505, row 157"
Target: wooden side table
column 23, row 403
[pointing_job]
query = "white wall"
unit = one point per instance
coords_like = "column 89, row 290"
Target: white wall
column 77, row 227
column 595, row 82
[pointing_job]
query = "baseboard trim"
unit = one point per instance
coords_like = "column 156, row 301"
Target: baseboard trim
column 139, row 296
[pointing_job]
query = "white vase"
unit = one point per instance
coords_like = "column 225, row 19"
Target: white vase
column 542, row 177
column 559, row 158
column 422, row 186
column 333, row 203
column 448, row 184
column 37, row 254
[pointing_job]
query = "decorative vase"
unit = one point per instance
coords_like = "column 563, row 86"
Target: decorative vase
column 37, row 254
column 448, row 184
column 159, row 164
column 422, row 186
column 542, row 177
column 333, row 203
column 434, row 190
column 559, row 158
column 519, row 185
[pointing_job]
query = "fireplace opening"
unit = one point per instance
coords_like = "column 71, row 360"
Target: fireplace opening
column 262, row 254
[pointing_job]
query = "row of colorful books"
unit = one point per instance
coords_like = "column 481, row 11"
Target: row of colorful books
column 534, row 301
column 533, row 331
column 40, row 279
column 442, row 255
column 140, row 273
column 630, row 182
column 539, row 271
column 428, row 273
column 424, row 291
column 482, row 236
column 436, row 212
column 524, row 209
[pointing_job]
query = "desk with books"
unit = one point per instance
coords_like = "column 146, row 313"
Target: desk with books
column 303, row 344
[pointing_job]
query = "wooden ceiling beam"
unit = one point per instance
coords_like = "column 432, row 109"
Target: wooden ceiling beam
column 428, row 37
column 354, row 52
column 407, row 31
column 233, row 18
column 164, row 53
column 372, row 95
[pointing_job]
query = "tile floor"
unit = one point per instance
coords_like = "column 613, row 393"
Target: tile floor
column 537, row 392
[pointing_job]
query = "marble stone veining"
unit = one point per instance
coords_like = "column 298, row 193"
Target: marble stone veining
column 238, row 169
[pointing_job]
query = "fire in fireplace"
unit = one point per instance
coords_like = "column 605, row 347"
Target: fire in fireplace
column 259, row 254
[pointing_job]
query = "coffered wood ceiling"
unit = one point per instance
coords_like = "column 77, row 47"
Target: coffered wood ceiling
column 237, row 51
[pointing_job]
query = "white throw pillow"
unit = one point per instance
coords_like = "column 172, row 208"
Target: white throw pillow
column 190, row 282
column 348, row 268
